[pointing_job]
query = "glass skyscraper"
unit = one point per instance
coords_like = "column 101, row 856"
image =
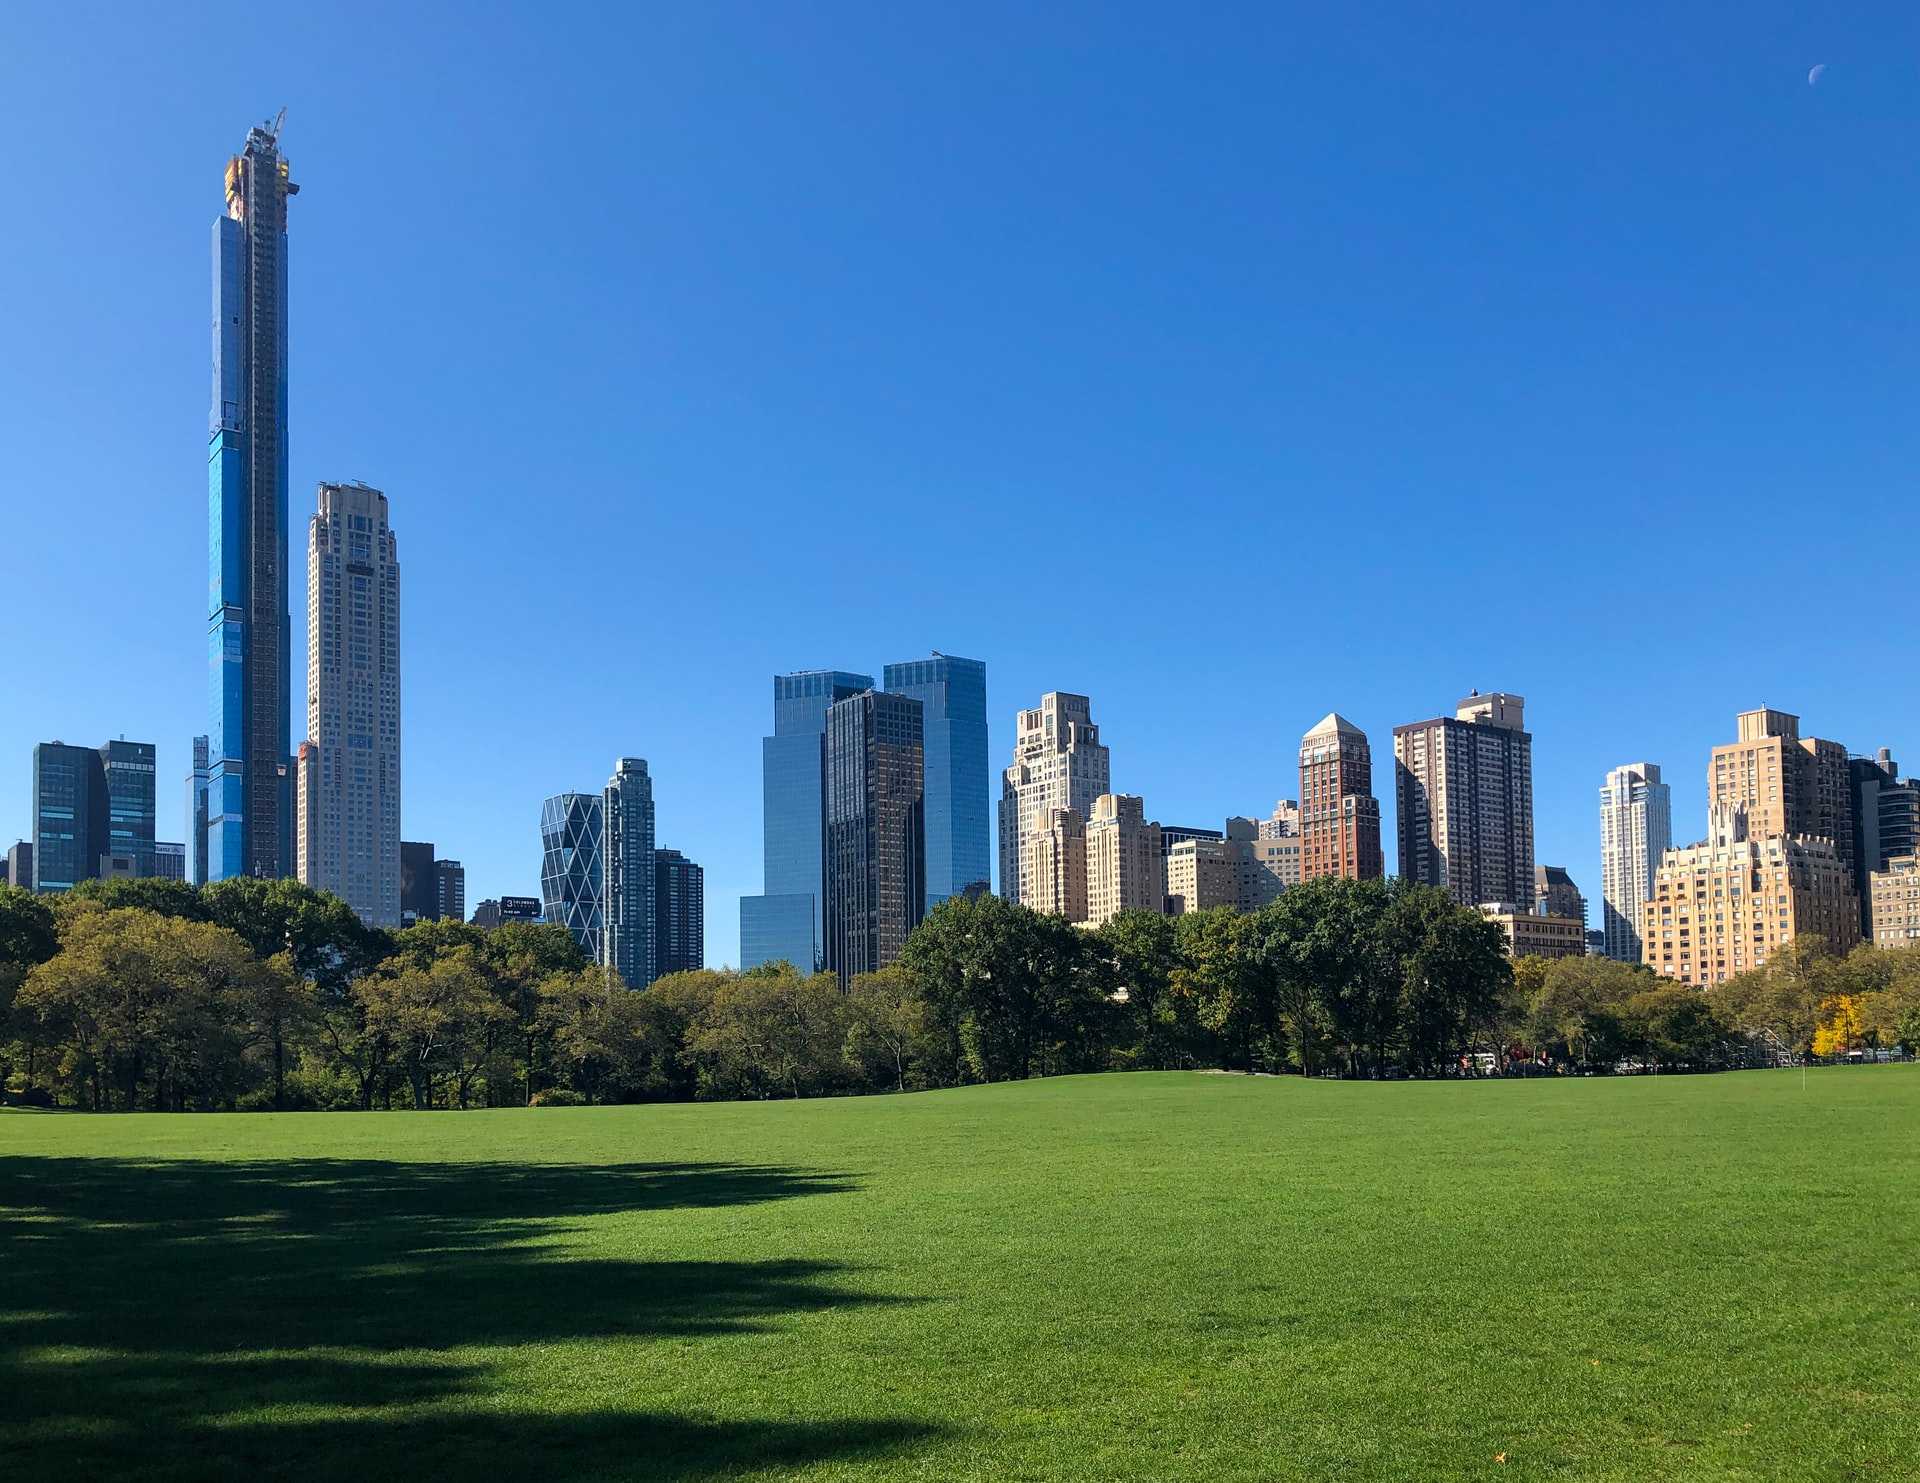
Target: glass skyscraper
column 93, row 811
column 953, row 696
column 627, row 814
column 69, row 815
column 573, row 868
column 786, row 921
column 249, row 792
column 127, row 846
column 876, row 845
column 197, row 813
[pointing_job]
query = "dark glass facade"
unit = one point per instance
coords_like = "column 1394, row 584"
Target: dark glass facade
column 450, row 890
column 679, row 912
column 69, row 815
column 197, row 814
column 249, row 792
column 419, row 895
column 93, row 813
column 953, row 696
column 127, row 846
column 772, row 927
column 873, row 761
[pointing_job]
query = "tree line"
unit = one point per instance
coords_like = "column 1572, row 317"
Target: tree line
column 245, row 994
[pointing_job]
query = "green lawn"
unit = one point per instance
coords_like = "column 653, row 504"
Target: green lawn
column 1144, row 1277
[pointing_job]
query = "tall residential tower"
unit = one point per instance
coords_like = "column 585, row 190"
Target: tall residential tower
column 679, row 913
column 1464, row 793
column 627, row 812
column 1059, row 761
column 1339, row 816
column 249, row 787
column 349, row 766
column 1636, row 830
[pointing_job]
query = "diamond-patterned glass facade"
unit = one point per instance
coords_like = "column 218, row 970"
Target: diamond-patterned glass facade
column 573, row 867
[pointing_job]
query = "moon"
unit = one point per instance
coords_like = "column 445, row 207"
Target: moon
column 1813, row 77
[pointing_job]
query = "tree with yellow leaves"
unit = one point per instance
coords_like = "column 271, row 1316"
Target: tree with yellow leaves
column 1842, row 1026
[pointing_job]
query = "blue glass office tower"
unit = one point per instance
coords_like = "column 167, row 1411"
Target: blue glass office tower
column 786, row 922
column 573, row 867
column 953, row 697
column 249, row 778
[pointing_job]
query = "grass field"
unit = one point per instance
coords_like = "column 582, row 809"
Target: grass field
column 1141, row 1277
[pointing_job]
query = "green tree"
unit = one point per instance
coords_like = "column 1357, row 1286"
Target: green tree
column 1671, row 1023
column 1010, row 992
column 1140, row 953
column 27, row 939
column 1781, row 1000
column 611, row 1043
column 771, row 1033
column 1216, row 976
column 157, row 894
column 887, row 1026
column 1576, row 1013
column 1320, row 945
column 522, row 956
column 133, row 1000
column 1451, row 969
column 435, row 1015
column 324, row 941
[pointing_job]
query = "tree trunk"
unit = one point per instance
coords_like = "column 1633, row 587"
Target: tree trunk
column 279, row 1069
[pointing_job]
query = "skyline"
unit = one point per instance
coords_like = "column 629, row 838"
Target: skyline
column 1721, row 457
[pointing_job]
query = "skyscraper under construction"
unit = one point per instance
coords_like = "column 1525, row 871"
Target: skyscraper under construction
column 249, row 782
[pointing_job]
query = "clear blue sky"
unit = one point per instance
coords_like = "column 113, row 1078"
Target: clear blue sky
column 1229, row 364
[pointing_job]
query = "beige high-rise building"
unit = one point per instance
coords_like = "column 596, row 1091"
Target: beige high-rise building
column 1125, row 870
column 1339, row 816
column 1724, row 905
column 1200, row 875
column 1896, row 903
column 1054, row 864
column 347, row 790
column 1059, row 761
column 1285, row 822
column 1264, row 864
column 1788, row 784
column 1464, row 793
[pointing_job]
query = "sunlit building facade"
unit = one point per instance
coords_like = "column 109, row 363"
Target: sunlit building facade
column 250, row 827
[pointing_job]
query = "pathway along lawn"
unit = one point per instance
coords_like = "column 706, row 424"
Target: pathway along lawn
column 1142, row 1277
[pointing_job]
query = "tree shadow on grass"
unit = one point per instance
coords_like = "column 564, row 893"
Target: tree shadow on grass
column 298, row 1319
